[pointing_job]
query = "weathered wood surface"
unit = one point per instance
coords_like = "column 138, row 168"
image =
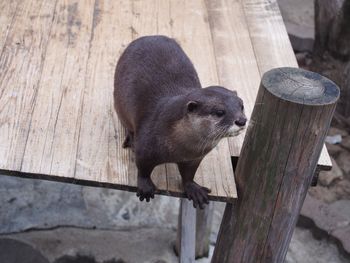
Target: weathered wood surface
column 236, row 62
column 188, row 232
column 204, row 219
column 290, row 120
column 204, row 222
column 57, row 63
column 56, row 79
column 272, row 46
column 249, row 38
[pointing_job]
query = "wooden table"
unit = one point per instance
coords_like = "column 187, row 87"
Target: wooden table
column 57, row 61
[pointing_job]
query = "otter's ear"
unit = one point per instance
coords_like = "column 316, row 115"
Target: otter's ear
column 234, row 92
column 192, row 106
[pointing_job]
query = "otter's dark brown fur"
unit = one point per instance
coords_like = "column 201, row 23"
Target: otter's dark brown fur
column 169, row 117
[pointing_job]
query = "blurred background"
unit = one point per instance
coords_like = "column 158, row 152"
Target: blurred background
column 64, row 223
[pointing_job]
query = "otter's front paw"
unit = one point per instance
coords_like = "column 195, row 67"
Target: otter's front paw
column 145, row 189
column 198, row 194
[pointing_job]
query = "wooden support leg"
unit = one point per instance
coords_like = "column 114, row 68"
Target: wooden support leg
column 279, row 156
column 188, row 232
column 204, row 219
column 203, row 228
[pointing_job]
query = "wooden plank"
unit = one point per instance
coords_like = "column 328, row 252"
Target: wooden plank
column 21, row 67
column 71, row 35
column 235, row 58
column 109, row 162
column 66, row 128
column 38, row 154
column 8, row 12
column 271, row 44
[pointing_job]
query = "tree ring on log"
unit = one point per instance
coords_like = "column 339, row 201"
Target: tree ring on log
column 300, row 86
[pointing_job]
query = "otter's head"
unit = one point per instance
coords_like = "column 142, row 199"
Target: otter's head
column 215, row 112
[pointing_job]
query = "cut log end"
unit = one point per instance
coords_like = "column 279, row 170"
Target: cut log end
column 300, row 86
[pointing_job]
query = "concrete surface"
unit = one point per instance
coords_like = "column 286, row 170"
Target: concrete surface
column 30, row 204
column 12, row 250
column 146, row 245
column 72, row 224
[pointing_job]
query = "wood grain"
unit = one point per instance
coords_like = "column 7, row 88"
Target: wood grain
column 276, row 166
column 8, row 12
column 204, row 218
column 235, row 58
column 20, row 74
column 57, row 62
column 57, row 120
column 188, row 232
column 271, row 44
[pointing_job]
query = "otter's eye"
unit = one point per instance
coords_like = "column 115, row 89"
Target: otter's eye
column 242, row 107
column 220, row 113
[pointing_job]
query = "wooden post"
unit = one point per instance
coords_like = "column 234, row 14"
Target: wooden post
column 203, row 228
column 188, row 231
column 204, row 218
column 283, row 142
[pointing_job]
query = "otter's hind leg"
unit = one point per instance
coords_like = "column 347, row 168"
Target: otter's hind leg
column 198, row 194
column 129, row 140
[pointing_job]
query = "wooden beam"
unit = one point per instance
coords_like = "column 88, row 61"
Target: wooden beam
column 280, row 152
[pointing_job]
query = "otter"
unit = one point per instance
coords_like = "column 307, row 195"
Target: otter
column 168, row 116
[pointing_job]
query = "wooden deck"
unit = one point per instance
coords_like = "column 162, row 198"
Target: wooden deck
column 57, row 62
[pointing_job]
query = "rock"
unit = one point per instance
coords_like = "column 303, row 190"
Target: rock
column 304, row 59
column 346, row 143
column 334, row 149
column 84, row 259
column 325, row 216
column 329, row 218
column 305, row 249
column 343, row 160
column 341, row 206
column 72, row 245
column 344, row 235
column 322, row 193
column 335, row 131
column 326, row 178
column 342, row 189
column 14, row 251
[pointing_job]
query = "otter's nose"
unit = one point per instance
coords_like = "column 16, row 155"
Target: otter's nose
column 241, row 122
